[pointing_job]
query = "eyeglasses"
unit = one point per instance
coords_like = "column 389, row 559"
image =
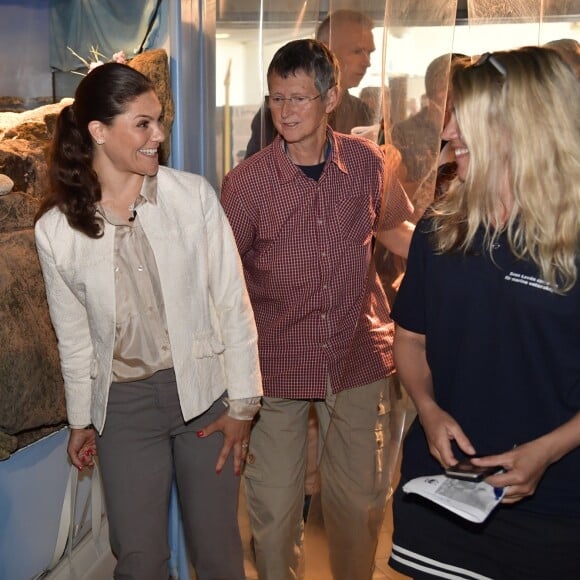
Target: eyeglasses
column 488, row 57
column 298, row 101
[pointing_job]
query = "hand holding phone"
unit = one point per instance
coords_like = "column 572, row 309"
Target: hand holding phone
column 468, row 472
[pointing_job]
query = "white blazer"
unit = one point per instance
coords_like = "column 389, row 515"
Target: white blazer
column 209, row 317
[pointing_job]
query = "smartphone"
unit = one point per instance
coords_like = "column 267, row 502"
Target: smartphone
column 467, row 471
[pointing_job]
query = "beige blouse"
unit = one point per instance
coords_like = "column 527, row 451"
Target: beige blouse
column 141, row 339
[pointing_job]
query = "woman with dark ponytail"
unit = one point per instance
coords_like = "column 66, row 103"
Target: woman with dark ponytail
column 155, row 331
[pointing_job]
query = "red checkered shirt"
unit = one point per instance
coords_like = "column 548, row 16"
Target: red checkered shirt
column 306, row 248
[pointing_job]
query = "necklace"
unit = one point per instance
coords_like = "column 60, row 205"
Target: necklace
column 133, row 211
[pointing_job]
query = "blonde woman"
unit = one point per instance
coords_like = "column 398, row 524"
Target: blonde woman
column 488, row 327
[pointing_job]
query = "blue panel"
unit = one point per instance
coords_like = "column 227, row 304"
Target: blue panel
column 178, row 562
column 32, row 485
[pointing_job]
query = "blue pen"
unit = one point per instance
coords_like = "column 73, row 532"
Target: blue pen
column 498, row 491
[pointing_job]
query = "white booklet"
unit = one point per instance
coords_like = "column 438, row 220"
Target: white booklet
column 473, row 501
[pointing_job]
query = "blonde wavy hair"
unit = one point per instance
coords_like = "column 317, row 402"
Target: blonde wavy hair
column 519, row 114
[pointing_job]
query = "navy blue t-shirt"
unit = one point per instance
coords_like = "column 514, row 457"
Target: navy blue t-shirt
column 504, row 352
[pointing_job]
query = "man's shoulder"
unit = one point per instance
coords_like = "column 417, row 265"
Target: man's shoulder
column 415, row 124
column 354, row 102
column 351, row 112
column 348, row 99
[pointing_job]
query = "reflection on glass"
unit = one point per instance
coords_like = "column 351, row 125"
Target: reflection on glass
column 247, row 39
column 395, row 68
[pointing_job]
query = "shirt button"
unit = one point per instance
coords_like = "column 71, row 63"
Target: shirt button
column 323, row 254
column 323, row 316
column 325, row 287
column 319, row 222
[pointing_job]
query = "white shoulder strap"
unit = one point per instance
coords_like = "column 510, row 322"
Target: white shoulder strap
column 66, row 524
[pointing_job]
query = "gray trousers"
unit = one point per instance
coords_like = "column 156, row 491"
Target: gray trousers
column 145, row 444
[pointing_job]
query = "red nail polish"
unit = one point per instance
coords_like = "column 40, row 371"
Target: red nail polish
column 200, row 433
column 218, row 471
column 238, row 472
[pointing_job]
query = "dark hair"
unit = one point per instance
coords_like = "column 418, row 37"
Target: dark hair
column 74, row 186
column 311, row 57
column 446, row 173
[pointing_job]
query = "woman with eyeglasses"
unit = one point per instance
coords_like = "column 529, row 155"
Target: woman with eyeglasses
column 488, row 328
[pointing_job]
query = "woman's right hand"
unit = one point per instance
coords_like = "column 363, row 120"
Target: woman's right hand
column 440, row 429
column 82, row 447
